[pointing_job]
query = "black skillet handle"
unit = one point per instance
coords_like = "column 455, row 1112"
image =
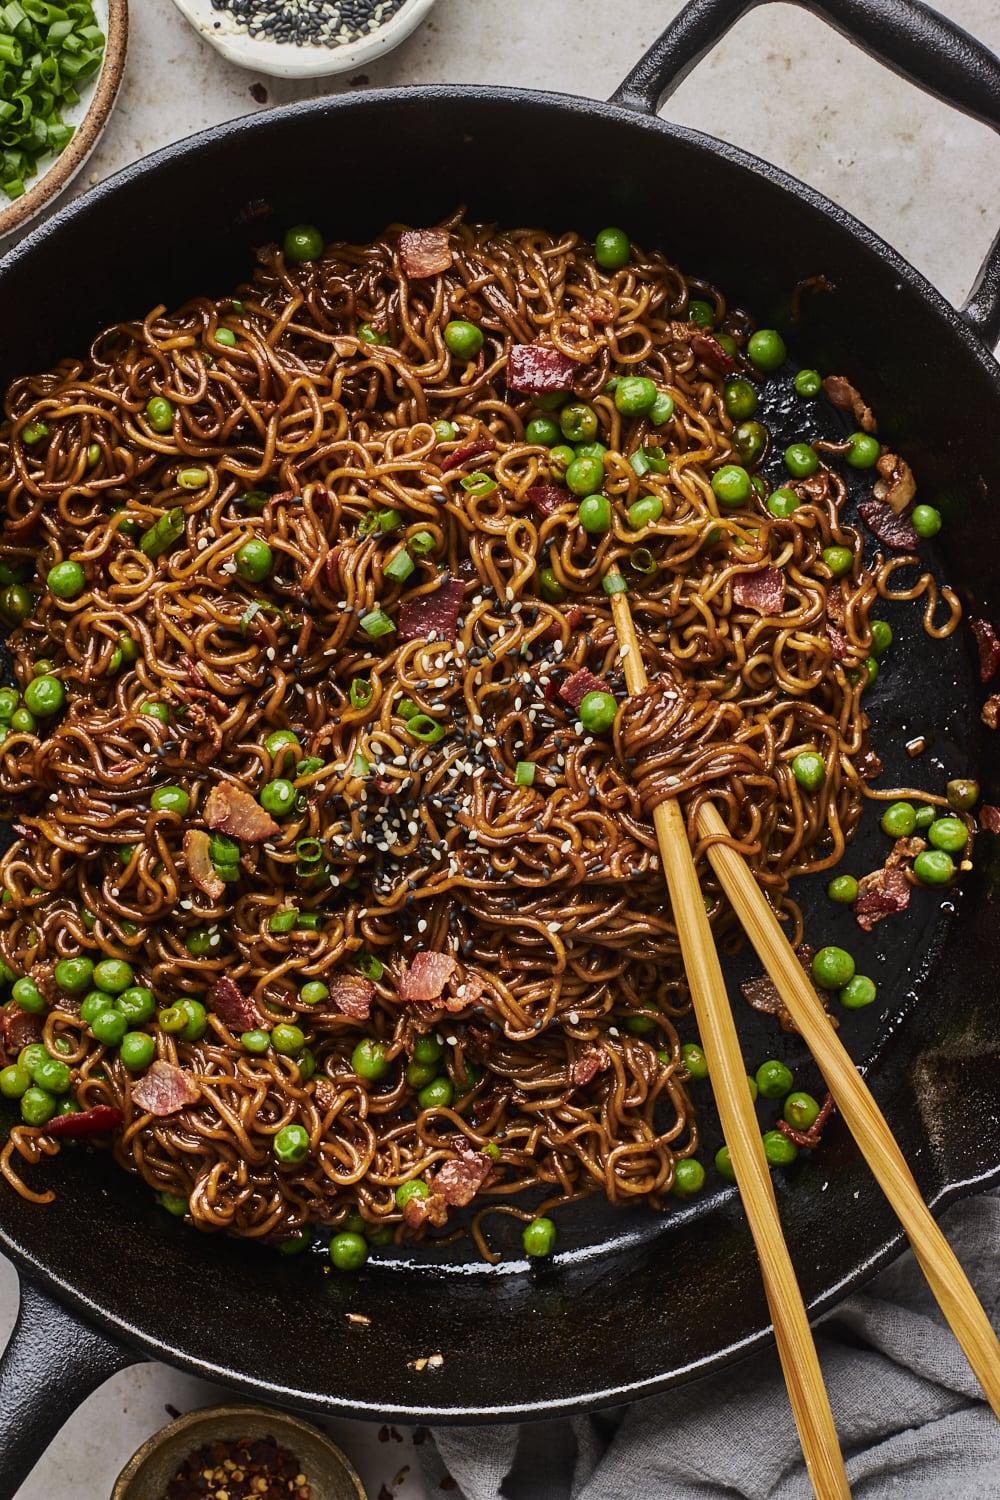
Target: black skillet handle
column 53, row 1361
column 907, row 36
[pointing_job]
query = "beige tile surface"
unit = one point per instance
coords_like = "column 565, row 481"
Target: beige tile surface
column 783, row 86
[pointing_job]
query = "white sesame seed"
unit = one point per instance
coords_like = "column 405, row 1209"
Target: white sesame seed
column 573, row 1018
column 422, row 925
column 452, row 1041
column 613, row 1031
column 553, row 926
column 270, row 653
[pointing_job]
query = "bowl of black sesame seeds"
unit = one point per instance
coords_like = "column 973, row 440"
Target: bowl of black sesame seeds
column 304, row 38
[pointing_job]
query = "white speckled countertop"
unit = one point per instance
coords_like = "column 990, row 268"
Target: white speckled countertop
column 781, row 85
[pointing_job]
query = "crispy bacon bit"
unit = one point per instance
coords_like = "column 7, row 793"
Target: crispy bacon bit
column 816, row 488
column 432, row 617
column 711, row 353
column 989, row 648
column 475, row 449
column 991, row 712
column 44, row 976
column 165, row 1089
column 325, row 1092
column 426, row 976
column 459, row 1181
column 989, row 818
column 836, row 606
column 331, row 569
column 100, row 1120
column 838, row 645
column 592, row 1060
column 904, row 851
column 230, row 809
column 597, row 310
column 468, row 992
column 810, row 1138
column 842, row 394
column 352, row 995
column 19, row 1027
column 193, row 670
column 897, row 485
column 419, row 1211
column 539, row 370
column 762, row 994
column 425, row 252
column 882, row 521
column 763, row 590
column 238, row 1011
column 547, row 498
column 879, row 895
column 575, row 688
column 869, row 766
column 198, row 854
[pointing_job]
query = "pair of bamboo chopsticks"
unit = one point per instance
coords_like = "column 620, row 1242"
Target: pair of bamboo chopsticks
column 800, row 1363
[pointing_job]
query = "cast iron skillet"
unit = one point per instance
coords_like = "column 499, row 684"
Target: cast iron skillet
column 634, row 1303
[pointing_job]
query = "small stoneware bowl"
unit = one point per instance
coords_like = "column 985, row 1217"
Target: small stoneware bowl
column 148, row 1472
column 286, row 59
column 89, row 116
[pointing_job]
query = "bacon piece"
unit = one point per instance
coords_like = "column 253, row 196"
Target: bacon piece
column 539, row 370
column 547, row 498
column 198, row 854
column 475, row 449
column 352, row 995
column 237, row 1010
column 991, row 712
column 165, row 1089
column 592, row 1060
column 711, row 353
column 842, row 394
column 989, row 817
column 905, row 850
column 325, row 1092
column 18, row 1027
column 989, row 648
column 100, row 1120
column 763, row 590
column 597, row 309
column 426, row 976
column 331, row 569
column 762, row 994
column 469, row 992
column 882, row 521
column 432, row 617
column 869, row 766
column 193, row 670
column 836, row 606
column 897, row 485
column 419, row 1211
column 425, row 252
column 838, row 645
column 44, row 976
column 810, row 1138
column 230, row 809
column 879, row 895
column 575, row 688
column 459, row 1181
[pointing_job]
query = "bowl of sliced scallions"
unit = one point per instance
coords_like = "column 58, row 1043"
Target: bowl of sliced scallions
column 61, row 63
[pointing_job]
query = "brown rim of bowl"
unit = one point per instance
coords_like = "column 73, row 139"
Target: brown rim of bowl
column 209, row 1423
column 87, row 133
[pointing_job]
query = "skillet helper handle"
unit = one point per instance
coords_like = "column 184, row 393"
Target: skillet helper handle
column 52, row 1363
column 907, row 36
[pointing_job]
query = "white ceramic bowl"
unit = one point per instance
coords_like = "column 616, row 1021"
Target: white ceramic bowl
column 285, row 59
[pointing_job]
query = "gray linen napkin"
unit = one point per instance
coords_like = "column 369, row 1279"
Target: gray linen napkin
column 912, row 1422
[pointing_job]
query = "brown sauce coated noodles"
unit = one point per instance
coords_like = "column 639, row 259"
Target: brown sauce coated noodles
column 557, row 1029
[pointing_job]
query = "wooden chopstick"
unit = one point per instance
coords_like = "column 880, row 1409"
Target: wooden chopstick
column 727, row 1072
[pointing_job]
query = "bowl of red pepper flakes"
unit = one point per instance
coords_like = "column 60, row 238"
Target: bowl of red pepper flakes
column 238, row 1453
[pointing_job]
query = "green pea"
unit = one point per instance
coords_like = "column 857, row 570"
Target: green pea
column 766, row 349
column 753, row 1087
column 95, row 1004
column 949, row 834
column 926, row 520
column 303, row 242
column 731, row 485
column 314, row 993
column 438, row 1094
column 611, row 249
column 858, row 992
column 693, row 1058
column 783, row 503
column 37, row 1106
column 962, row 794
column 863, row 452
column 594, row 512
column 29, row 1057
column 279, row 740
column 634, row 394
column 584, row 478
column 278, row 797
column 662, row 409
column 255, row 1041
column 254, row 561
column 899, row 820
column 801, row 460
column 539, row 1238
column 700, row 312
column 93, row 455
column 28, row 996
column 193, row 478
column 173, row 1019
column 689, row 1177
column 137, row 1050
column 170, row 799
column 126, row 854
column 427, row 1049
column 15, row 603
column 808, row 383
column 418, row 1075
column 774, row 1080
column 724, row 1164
column 750, row 441
column 843, row 889
column 550, row 587
column 445, row 432
column 291, row 1144
column 871, row 670
column 348, row 1252
column 934, row 867
column 14, row 1081
column 288, row 1039
column 173, row 1203
column 881, row 633
column 542, row 431
column 109, row 1027
column 369, row 1060
column 801, row 1111
column 196, row 1020
column 368, row 335
column 809, row 770
column 778, row 1149
column 579, row 422
column 113, row 975
column 137, row 1005
column 645, row 511
column 597, row 712
column 414, row 1188
column 832, row 968
column 463, row 339
column 9, row 699
column 645, row 1022
column 155, row 710
column 740, row 398
column 839, row 560
column 925, row 817
column 160, row 413
column 590, row 450
column 560, row 458
column 74, row 975
column 51, row 1074
column 66, row 580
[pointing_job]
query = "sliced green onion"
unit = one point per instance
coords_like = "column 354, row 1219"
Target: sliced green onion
column 614, row 583
column 370, row 967
column 388, row 519
column 407, row 709
column 309, row 850
column 360, row 766
column 640, row 463
column 368, row 523
column 308, row 921
column 524, row 773
column 424, row 728
column 362, row 693
column 421, row 543
column 309, row 765
column 642, row 560
column 478, row 484
column 376, row 623
column 163, row 533
column 248, row 614
column 657, row 459
column 399, row 567
column 282, row 921
column 254, row 499
column 225, row 856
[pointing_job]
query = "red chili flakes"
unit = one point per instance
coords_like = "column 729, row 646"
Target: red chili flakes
column 248, row 1469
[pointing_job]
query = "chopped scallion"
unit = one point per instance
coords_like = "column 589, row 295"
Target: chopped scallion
column 370, row 967
column 421, row 543
column 362, row 693
column 376, row 623
column 478, row 484
column 524, row 773
column 424, row 728
column 399, row 567
column 614, row 583
column 163, row 533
